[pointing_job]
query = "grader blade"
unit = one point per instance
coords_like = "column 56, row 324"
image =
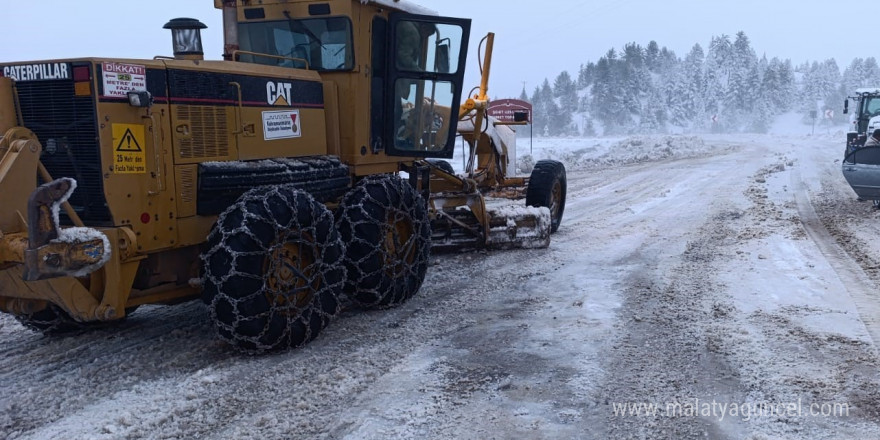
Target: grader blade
column 518, row 227
column 463, row 221
column 456, row 229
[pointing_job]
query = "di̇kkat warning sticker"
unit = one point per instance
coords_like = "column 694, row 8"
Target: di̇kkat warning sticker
column 128, row 151
column 281, row 125
column 119, row 79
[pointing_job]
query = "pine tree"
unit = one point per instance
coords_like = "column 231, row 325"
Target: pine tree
column 524, row 131
column 718, row 67
column 585, row 75
column 693, row 89
column 821, row 89
column 539, row 111
column 677, row 95
column 786, row 92
column 854, row 75
column 565, row 90
column 871, row 75
column 652, row 56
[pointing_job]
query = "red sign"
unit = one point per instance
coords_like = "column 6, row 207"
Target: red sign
column 510, row 110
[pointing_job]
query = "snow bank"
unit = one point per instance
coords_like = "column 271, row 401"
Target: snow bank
column 579, row 154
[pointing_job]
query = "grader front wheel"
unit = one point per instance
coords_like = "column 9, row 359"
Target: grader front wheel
column 547, row 188
column 384, row 224
column 272, row 270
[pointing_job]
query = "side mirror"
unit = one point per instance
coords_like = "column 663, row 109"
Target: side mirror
column 441, row 61
column 845, row 106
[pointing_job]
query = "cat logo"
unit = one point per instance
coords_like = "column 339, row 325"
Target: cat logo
column 278, row 93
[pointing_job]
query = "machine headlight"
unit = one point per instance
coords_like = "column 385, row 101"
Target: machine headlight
column 140, row 99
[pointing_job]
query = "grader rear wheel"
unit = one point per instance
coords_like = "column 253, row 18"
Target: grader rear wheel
column 547, row 188
column 385, row 227
column 51, row 320
column 273, row 270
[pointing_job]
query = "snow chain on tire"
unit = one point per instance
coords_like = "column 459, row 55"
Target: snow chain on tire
column 547, row 188
column 273, row 269
column 384, row 224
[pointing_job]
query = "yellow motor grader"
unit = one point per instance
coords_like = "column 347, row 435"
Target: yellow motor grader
column 299, row 168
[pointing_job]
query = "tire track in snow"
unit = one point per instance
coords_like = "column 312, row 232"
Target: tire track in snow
column 855, row 281
column 57, row 376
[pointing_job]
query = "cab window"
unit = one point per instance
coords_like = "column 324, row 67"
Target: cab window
column 872, row 106
column 425, row 92
column 323, row 44
column 427, row 47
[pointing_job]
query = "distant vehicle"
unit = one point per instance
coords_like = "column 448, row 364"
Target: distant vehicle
column 861, row 164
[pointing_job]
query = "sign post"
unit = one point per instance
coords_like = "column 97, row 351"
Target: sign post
column 512, row 112
column 813, row 114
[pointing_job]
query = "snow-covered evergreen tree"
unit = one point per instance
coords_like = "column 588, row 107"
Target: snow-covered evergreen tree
column 652, row 56
column 585, row 75
column 717, row 68
column 820, row 89
column 565, row 90
column 609, row 99
column 722, row 89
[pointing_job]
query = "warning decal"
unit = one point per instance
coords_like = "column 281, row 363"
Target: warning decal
column 119, row 79
column 128, row 154
column 281, row 125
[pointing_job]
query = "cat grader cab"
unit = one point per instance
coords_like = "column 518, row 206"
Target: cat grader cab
column 299, row 168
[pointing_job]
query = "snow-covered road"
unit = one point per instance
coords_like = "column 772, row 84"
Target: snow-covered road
column 697, row 274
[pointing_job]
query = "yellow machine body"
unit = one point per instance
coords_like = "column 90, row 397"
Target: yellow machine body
column 311, row 93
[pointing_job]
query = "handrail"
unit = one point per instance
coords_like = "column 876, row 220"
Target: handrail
column 239, row 117
column 235, row 54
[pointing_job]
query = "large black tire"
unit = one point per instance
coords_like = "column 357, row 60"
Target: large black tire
column 547, row 188
column 273, row 270
column 384, row 224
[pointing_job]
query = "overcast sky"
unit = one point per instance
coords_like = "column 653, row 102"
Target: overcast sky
column 534, row 40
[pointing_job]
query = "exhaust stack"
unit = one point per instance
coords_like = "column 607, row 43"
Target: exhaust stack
column 230, row 30
column 186, row 38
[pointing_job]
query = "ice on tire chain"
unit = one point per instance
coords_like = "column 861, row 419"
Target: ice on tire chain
column 399, row 212
column 313, row 274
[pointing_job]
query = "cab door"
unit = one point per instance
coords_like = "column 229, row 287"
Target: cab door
column 425, row 64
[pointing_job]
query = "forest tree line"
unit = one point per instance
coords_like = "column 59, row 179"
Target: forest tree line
column 726, row 88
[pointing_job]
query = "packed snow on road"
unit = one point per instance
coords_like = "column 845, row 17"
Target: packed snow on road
column 701, row 286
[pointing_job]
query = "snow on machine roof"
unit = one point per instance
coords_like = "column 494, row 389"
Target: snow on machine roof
column 402, row 5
